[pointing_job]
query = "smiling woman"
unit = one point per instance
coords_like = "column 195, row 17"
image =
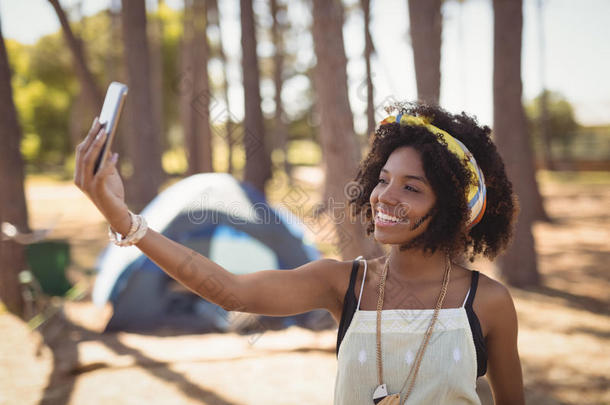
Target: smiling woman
column 431, row 177
column 402, row 196
column 434, row 189
column 438, row 189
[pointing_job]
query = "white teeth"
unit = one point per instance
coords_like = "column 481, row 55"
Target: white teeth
column 386, row 217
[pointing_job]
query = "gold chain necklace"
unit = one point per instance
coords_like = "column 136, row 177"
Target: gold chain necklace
column 380, row 395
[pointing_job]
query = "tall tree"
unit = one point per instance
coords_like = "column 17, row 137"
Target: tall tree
column 518, row 265
column 156, row 69
column 214, row 19
column 280, row 128
column 339, row 145
column 115, row 69
column 258, row 160
column 185, row 85
column 426, row 26
column 544, row 109
column 544, row 123
column 90, row 97
column 12, row 196
column 195, row 91
column 144, row 149
column 85, row 77
column 368, row 51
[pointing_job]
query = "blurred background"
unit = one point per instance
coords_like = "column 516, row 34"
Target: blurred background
column 260, row 111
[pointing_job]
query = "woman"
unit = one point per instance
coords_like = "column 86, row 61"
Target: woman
column 435, row 190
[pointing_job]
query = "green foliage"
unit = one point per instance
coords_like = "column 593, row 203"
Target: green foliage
column 561, row 124
column 42, row 95
column 18, row 60
column 50, row 60
column 54, row 115
column 593, row 143
column 170, row 53
column 304, row 152
column 302, row 128
column 45, row 122
column 47, row 92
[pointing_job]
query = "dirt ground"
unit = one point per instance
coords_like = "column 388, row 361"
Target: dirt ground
column 564, row 327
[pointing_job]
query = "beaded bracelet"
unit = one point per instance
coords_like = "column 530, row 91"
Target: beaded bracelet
column 137, row 230
column 117, row 238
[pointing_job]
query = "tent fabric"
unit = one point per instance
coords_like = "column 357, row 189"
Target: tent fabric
column 216, row 215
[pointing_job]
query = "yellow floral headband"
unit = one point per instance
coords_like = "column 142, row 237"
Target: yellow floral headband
column 477, row 194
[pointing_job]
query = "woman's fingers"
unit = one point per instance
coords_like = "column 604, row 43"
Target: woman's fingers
column 95, row 128
column 90, row 157
column 81, row 149
column 108, row 168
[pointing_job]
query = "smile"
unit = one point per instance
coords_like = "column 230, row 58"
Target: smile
column 387, row 220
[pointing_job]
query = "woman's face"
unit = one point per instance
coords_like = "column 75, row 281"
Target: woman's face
column 403, row 193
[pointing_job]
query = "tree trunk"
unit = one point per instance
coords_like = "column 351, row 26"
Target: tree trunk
column 368, row 51
column 540, row 212
column 85, row 77
column 78, row 110
column 280, row 128
column 115, row 69
column 144, row 150
column 258, row 161
column 338, row 140
column 518, row 265
column 214, row 18
column 12, row 196
column 547, row 154
column 195, row 91
column 156, row 72
column 201, row 101
column 186, row 87
column 426, row 28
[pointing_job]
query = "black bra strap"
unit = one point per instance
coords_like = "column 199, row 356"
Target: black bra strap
column 354, row 275
column 349, row 306
column 475, row 327
column 473, row 288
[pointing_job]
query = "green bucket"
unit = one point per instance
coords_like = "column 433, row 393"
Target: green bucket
column 48, row 261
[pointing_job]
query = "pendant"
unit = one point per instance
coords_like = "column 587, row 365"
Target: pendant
column 381, row 397
column 380, row 393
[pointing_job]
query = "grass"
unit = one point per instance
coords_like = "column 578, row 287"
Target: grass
column 572, row 177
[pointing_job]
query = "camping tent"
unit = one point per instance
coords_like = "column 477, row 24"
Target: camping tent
column 225, row 220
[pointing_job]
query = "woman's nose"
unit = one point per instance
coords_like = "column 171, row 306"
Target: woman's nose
column 388, row 195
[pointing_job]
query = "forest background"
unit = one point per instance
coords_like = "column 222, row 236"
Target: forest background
column 308, row 80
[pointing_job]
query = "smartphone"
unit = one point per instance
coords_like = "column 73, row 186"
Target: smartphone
column 109, row 118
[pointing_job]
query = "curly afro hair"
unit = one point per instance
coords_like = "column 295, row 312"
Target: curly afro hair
column 448, row 178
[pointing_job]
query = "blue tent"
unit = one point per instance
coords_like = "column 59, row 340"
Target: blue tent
column 225, row 220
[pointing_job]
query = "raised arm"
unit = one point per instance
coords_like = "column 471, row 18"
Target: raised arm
column 269, row 292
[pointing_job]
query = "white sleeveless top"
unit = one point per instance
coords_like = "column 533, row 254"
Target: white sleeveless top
column 448, row 370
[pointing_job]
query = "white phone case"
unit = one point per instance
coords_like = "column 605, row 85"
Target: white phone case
column 109, row 117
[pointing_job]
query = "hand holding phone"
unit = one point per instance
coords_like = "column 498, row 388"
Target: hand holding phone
column 109, row 118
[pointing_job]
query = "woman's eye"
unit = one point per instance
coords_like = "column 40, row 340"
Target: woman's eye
column 406, row 187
